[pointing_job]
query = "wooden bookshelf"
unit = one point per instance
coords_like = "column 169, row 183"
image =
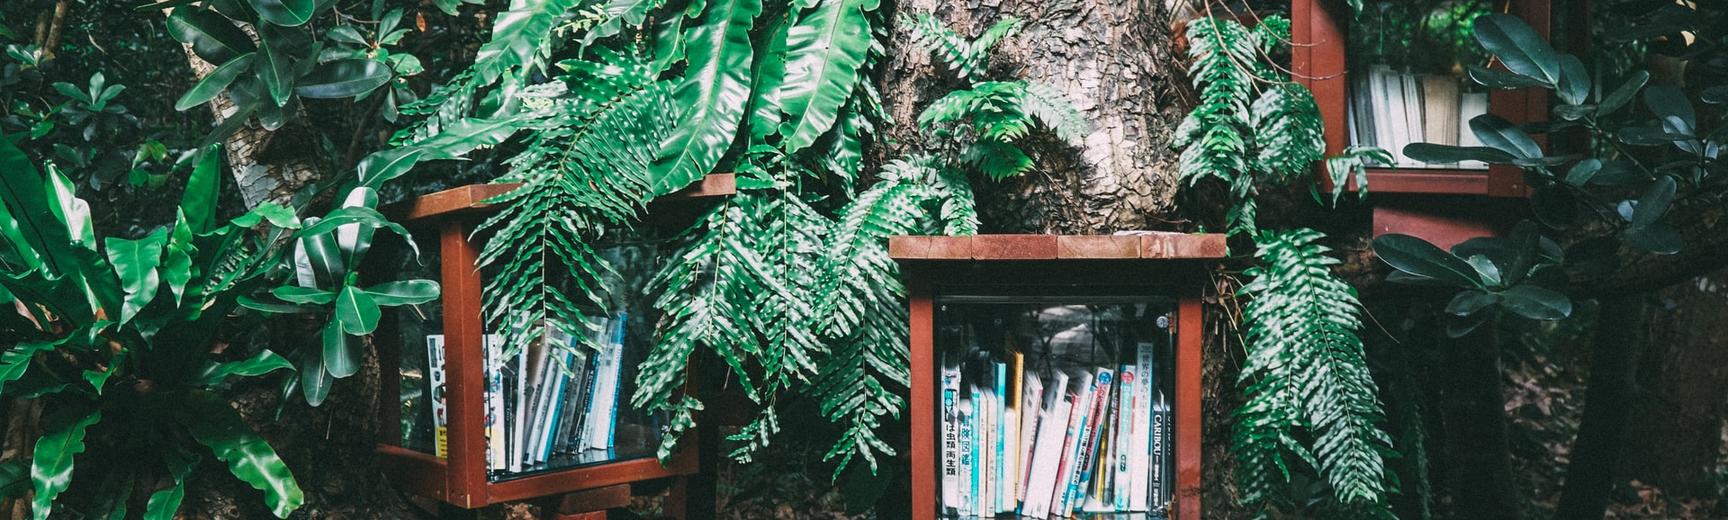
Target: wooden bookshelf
column 444, row 224
column 1320, row 58
column 1051, row 269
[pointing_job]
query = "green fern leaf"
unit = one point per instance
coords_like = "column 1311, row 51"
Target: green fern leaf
column 825, row 51
column 714, row 94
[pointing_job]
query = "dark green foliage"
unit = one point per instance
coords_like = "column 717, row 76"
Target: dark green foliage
column 1310, row 397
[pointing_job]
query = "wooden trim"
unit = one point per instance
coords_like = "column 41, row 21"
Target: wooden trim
column 590, row 477
column 1147, row 246
column 1190, row 335
column 923, row 404
column 421, row 473
column 464, row 368
column 471, row 198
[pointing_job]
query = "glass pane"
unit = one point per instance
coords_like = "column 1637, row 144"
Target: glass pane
column 1408, row 79
column 564, row 400
column 417, row 332
column 1055, row 406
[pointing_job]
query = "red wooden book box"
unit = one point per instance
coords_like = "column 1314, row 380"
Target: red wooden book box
column 1445, row 206
column 443, row 224
column 1059, row 300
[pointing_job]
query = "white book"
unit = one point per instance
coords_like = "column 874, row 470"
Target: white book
column 969, row 450
column 1360, row 110
column 1470, row 105
column 1005, row 476
column 1071, row 443
column 1140, row 454
column 986, row 407
column 1047, row 455
column 520, row 421
column 951, row 437
column 1379, row 79
column 496, row 456
column 1031, row 406
column 604, row 406
column 536, row 418
column 1412, row 114
column 1399, row 122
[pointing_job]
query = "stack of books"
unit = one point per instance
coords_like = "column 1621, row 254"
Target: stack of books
column 1069, row 442
column 1391, row 109
column 552, row 403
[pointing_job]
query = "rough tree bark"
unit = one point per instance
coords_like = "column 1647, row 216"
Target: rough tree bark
column 1114, row 61
column 257, row 180
column 1482, row 484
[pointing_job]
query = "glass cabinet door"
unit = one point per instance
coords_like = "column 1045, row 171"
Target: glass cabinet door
column 1054, row 407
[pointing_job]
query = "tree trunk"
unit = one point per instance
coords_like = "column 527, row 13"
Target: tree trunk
column 1112, row 60
column 258, row 181
column 1678, row 413
column 1476, row 433
column 1620, row 328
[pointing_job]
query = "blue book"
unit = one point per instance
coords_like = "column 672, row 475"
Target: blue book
column 1002, row 492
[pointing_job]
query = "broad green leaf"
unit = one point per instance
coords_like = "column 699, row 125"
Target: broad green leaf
column 263, row 362
column 215, row 424
column 286, row 13
column 1500, row 79
column 468, row 134
column 341, row 359
column 1581, row 173
column 98, row 378
column 214, row 83
column 769, row 74
column 356, row 238
column 1671, row 106
column 518, row 35
column 41, row 240
column 1468, row 302
column 357, row 311
column 1519, row 47
column 202, row 190
column 275, row 67
column 1620, row 96
column 1420, row 258
column 318, row 260
column 1714, row 95
column 1654, row 203
column 1500, row 134
column 298, row 294
column 1656, row 238
column 403, row 292
column 1485, row 269
column 165, row 503
column 135, row 262
column 315, row 381
column 274, row 307
column 1439, row 153
column 51, row 462
column 714, row 94
column 277, row 214
column 385, row 165
column 356, row 215
column 1536, row 303
column 72, row 212
column 177, row 265
column 1575, row 82
column 346, row 34
column 825, row 50
column 211, row 35
column 15, row 360
column 343, row 79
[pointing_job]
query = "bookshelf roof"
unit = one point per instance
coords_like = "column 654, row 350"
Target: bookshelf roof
column 472, row 197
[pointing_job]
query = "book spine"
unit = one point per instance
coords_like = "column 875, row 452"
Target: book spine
column 1017, row 413
column 1126, row 379
column 951, row 437
column 617, row 380
column 1089, row 440
column 495, row 455
column 435, row 378
column 1066, row 472
column 1051, row 434
column 1141, row 445
column 1161, row 483
column 999, row 459
column 968, row 452
column 1031, row 412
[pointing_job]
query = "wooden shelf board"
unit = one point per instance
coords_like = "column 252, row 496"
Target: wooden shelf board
column 472, row 197
column 1148, row 246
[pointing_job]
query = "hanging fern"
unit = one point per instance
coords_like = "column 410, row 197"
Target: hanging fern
column 1288, row 131
column 967, row 59
column 1306, row 377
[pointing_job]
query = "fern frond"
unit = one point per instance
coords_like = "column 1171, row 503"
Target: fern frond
column 1003, row 29
column 1306, row 374
column 1288, row 130
column 1353, row 164
column 1052, row 109
column 932, row 35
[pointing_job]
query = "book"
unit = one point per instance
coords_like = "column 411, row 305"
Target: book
column 1031, row 406
column 969, row 450
column 496, row 456
column 1160, row 483
column 1470, row 105
column 1126, row 382
column 1015, row 399
column 950, row 416
column 1000, row 418
column 1066, row 472
column 1047, row 455
column 1141, row 441
column 1412, row 105
column 436, row 380
column 1089, row 440
column 1380, row 101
